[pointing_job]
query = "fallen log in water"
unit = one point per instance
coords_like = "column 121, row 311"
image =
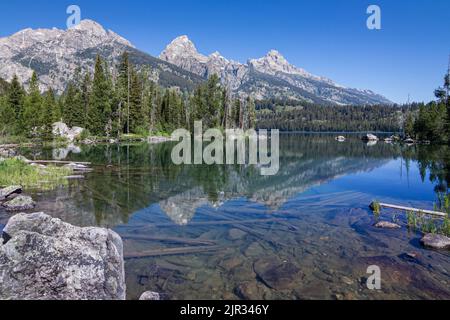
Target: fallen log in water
column 59, row 162
column 409, row 209
column 205, row 223
column 74, row 177
column 169, row 239
column 170, row 252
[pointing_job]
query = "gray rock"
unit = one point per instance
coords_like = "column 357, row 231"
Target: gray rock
column 20, row 203
column 47, row 259
column 387, row 225
column 6, row 192
column 61, row 129
column 436, row 241
column 236, row 234
column 249, row 291
column 151, row 296
column 278, row 275
column 7, row 153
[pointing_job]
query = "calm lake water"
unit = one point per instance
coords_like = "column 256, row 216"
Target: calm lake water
column 226, row 232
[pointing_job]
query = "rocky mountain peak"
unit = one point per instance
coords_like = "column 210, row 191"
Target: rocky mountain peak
column 274, row 62
column 56, row 53
column 275, row 55
column 181, row 47
column 90, row 26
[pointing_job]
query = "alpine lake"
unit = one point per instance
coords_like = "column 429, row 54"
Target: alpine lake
column 227, row 232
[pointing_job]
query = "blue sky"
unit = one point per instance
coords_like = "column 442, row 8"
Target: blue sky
column 326, row 37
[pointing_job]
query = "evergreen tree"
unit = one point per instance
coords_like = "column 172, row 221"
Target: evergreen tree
column 136, row 122
column 73, row 107
column 15, row 100
column 47, row 116
column 32, row 113
column 85, row 90
column 100, row 105
column 236, row 113
column 251, row 108
column 409, row 126
column 122, row 92
column 7, row 117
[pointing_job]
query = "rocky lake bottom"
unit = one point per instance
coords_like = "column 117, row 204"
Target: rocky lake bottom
column 225, row 232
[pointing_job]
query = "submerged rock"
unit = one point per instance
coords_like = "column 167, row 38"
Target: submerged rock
column 436, row 241
column 6, row 192
column 151, row 296
column 249, row 291
column 278, row 275
column 20, row 203
column 387, row 225
column 47, row 259
column 236, row 234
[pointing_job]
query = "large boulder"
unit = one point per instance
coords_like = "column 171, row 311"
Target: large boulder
column 44, row 258
column 60, row 129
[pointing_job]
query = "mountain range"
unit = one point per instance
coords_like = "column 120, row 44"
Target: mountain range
column 55, row 55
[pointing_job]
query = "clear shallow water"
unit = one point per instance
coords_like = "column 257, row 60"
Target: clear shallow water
column 225, row 232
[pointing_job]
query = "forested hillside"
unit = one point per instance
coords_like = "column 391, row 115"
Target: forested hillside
column 295, row 116
column 111, row 104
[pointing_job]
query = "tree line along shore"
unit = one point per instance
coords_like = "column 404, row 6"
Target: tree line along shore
column 121, row 100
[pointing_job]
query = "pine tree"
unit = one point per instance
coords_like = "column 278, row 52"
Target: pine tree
column 15, row 100
column 100, row 104
column 409, row 126
column 7, row 117
column 136, row 122
column 251, row 109
column 236, row 113
column 122, row 92
column 32, row 113
column 85, row 95
column 73, row 107
column 48, row 107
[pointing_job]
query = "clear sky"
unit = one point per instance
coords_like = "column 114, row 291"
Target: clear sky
column 409, row 55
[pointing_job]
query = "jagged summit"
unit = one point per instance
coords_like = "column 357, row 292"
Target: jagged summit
column 274, row 62
column 181, row 47
column 55, row 53
column 90, row 25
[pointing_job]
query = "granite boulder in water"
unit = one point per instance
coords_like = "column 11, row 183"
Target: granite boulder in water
column 436, row 241
column 20, row 203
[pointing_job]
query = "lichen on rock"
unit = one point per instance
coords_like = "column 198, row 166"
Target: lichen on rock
column 47, row 259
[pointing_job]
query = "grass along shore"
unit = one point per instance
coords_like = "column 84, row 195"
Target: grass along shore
column 16, row 171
